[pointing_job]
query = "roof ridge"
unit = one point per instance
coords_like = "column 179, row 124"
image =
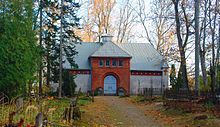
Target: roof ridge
column 100, row 53
column 121, row 48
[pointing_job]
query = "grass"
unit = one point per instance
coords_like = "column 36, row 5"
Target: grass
column 140, row 99
column 52, row 108
column 55, row 109
column 181, row 118
column 137, row 98
column 83, row 102
column 177, row 117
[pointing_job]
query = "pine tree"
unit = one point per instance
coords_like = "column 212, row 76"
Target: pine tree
column 51, row 35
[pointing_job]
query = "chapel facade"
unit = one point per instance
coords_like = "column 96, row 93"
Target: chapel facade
column 113, row 69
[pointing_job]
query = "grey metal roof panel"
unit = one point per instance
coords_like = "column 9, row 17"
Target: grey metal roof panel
column 110, row 49
column 84, row 49
column 144, row 56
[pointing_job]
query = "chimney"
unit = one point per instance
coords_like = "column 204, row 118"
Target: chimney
column 106, row 38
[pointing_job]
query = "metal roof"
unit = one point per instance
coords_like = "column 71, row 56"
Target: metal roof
column 143, row 55
column 110, row 49
column 84, row 49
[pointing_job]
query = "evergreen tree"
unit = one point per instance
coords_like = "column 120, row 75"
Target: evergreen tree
column 18, row 48
column 69, row 84
column 179, row 80
column 51, row 35
column 173, row 79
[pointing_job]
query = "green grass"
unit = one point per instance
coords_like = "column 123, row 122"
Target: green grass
column 53, row 109
column 56, row 108
column 138, row 98
column 83, row 102
column 148, row 99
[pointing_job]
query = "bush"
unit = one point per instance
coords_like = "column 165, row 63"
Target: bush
column 69, row 84
column 209, row 105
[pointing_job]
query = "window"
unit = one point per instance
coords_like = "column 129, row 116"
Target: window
column 114, row 63
column 120, row 62
column 101, row 63
column 107, row 63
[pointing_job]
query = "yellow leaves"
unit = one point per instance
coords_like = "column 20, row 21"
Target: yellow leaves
column 50, row 98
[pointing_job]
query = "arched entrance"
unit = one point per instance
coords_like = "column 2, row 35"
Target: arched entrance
column 110, row 85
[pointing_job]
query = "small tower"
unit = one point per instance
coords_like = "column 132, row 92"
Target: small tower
column 106, row 38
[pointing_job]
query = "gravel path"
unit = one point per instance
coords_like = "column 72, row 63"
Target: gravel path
column 112, row 111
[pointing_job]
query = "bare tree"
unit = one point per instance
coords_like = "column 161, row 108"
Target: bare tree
column 182, row 43
column 161, row 32
column 100, row 14
column 141, row 11
column 125, row 20
column 212, row 17
column 162, row 19
column 202, row 47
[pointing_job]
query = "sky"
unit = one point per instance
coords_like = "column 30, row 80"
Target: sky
column 137, row 29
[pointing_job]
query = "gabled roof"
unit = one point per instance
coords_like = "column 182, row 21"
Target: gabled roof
column 84, row 49
column 144, row 56
column 110, row 49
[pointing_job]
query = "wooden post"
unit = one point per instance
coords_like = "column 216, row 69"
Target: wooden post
column 70, row 114
column 65, row 114
column 93, row 96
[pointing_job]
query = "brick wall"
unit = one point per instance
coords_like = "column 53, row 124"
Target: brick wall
column 122, row 74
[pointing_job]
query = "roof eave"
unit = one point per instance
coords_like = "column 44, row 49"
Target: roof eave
column 110, row 57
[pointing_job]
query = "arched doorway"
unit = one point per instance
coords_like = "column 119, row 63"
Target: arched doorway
column 110, row 85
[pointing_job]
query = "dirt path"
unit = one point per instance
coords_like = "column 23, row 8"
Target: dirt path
column 112, row 111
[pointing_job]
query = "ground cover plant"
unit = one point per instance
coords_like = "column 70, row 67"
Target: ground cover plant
column 51, row 107
column 178, row 114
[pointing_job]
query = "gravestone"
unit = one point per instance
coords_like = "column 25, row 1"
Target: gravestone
column 100, row 91
column 19, row 103
column 76, row 114
column 73, row 102
column 121, row 92
column 39, row 120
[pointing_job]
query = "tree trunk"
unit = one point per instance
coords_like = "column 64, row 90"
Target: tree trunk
column 184, row 71
column 61, row 51
column 197, row 43
column 203, row 49
column 40, row 71
column 218, row 54
column 203, row 68
column 213, row 28
column 48, row 64
column 180, row 44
